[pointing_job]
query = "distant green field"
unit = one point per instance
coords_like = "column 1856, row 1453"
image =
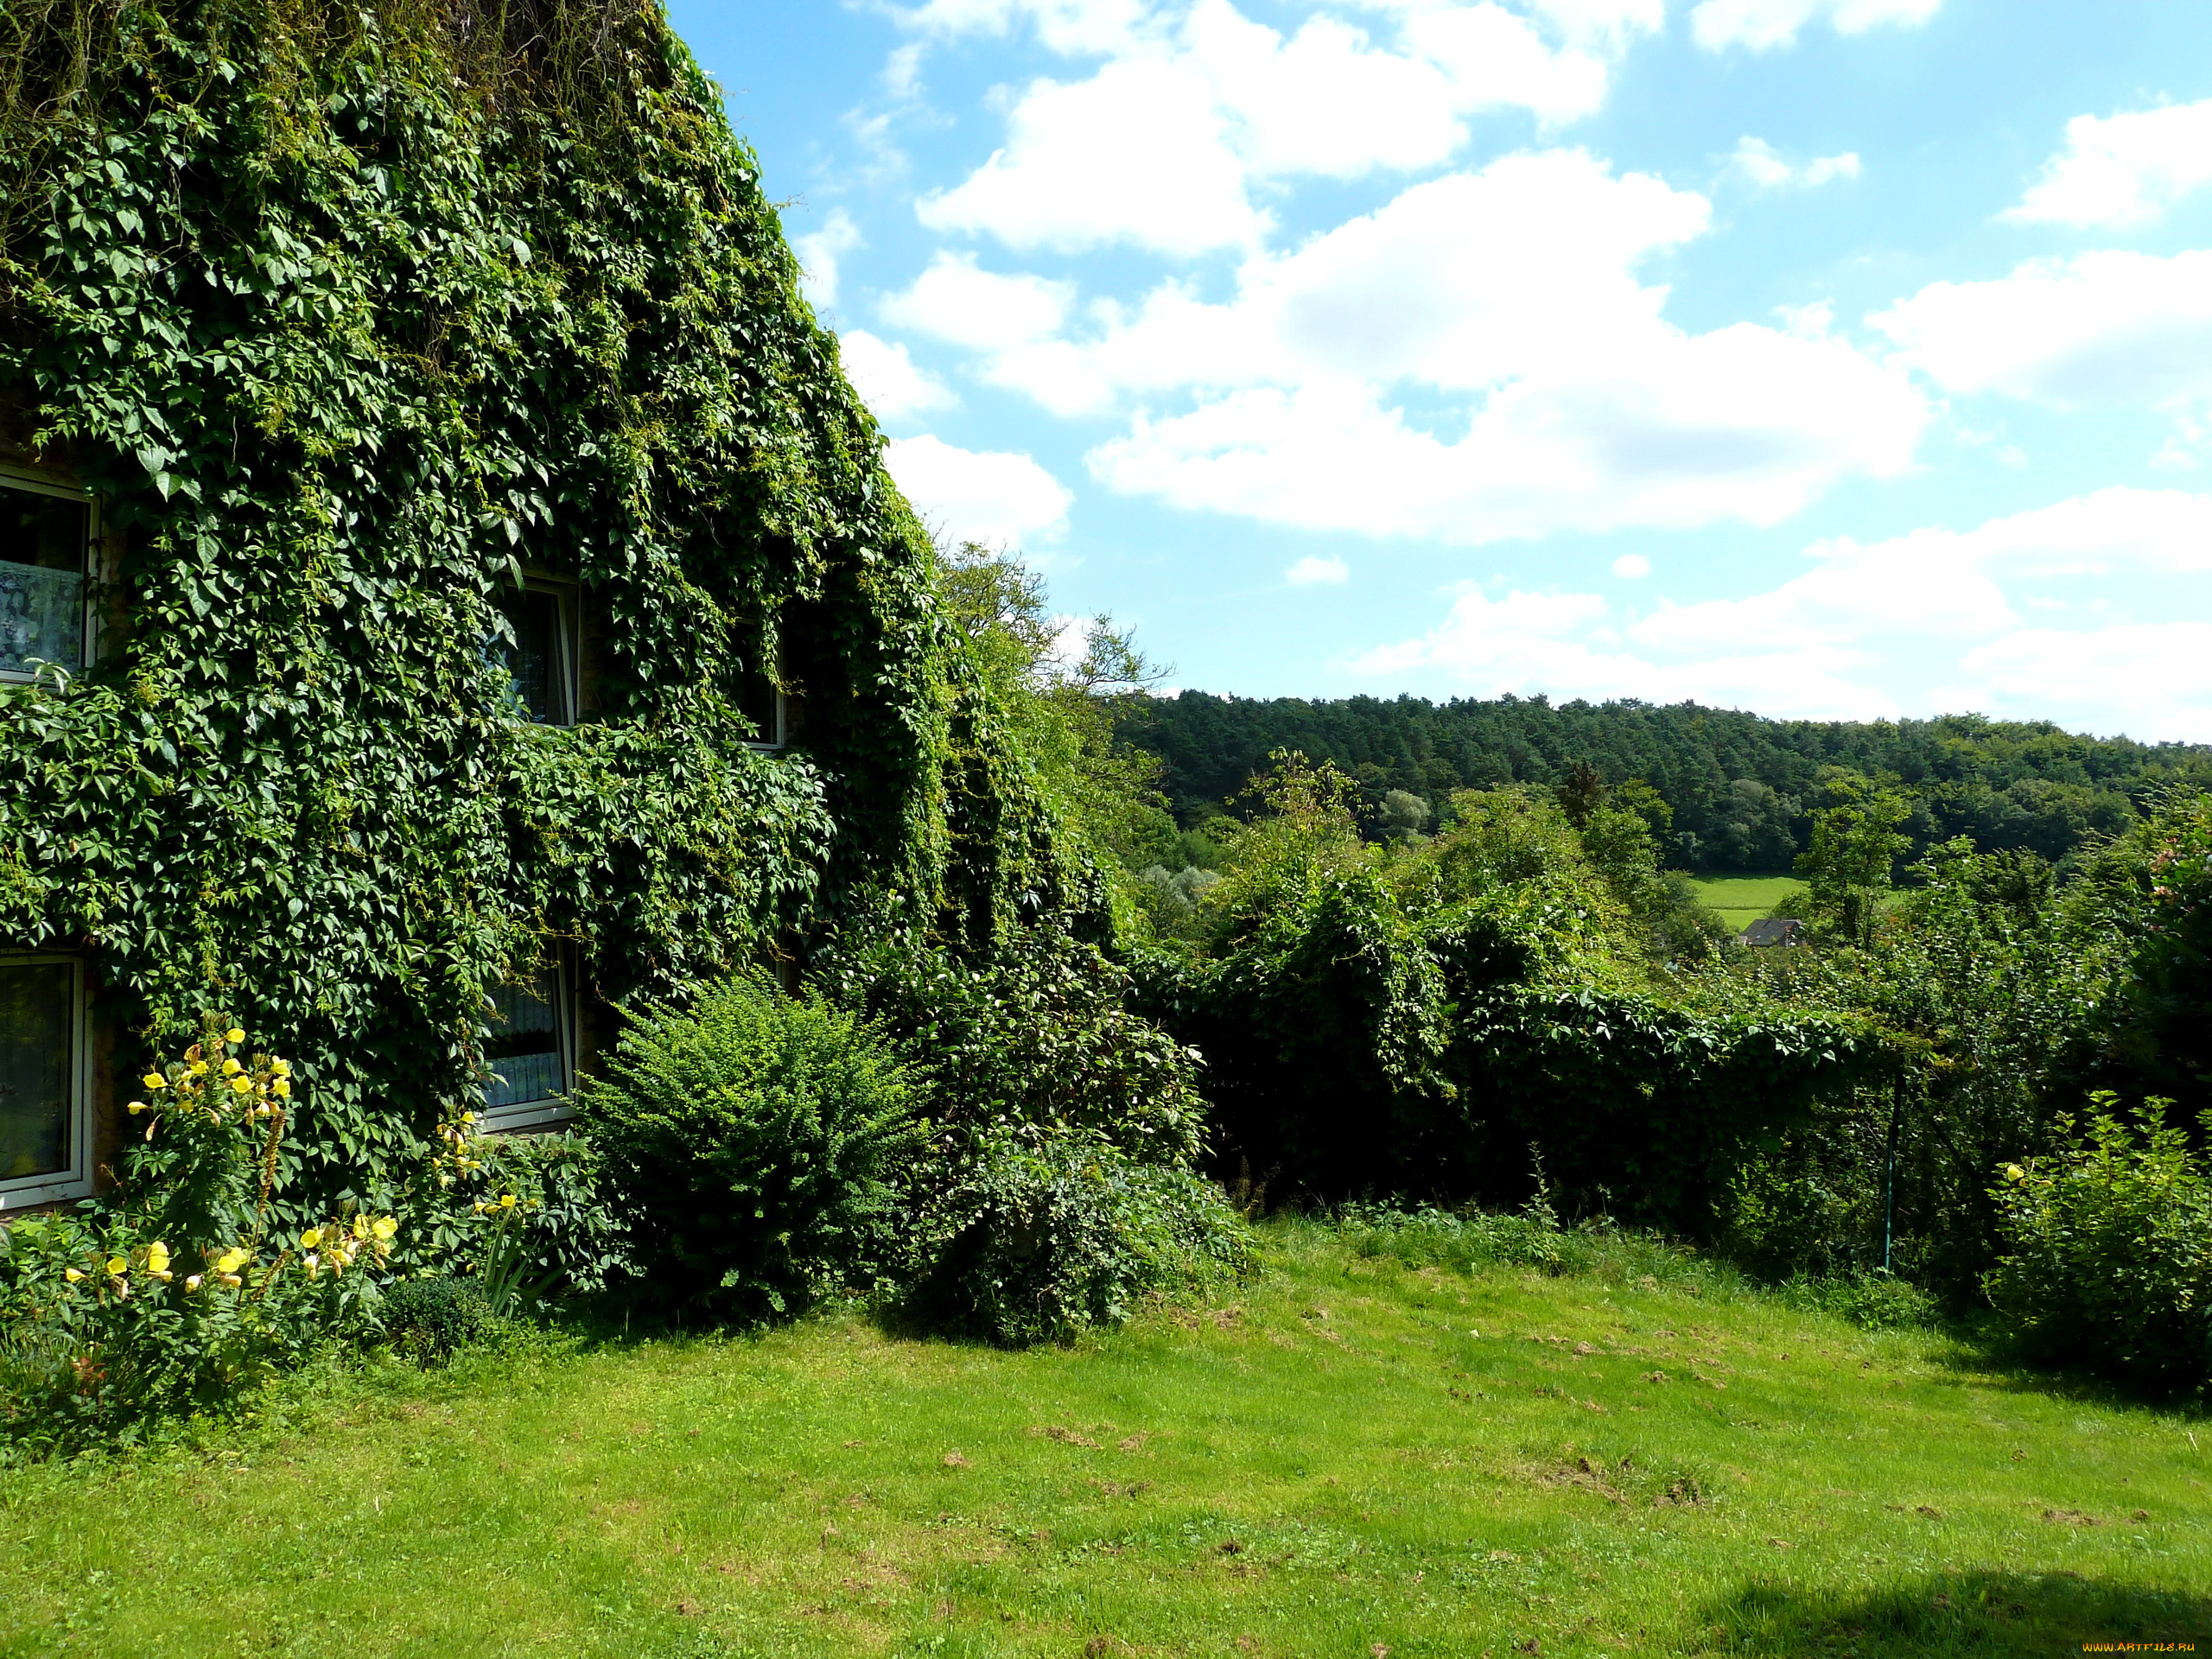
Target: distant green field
column 1742, row 899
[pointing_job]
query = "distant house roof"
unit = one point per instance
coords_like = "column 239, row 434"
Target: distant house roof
column 1774, row 930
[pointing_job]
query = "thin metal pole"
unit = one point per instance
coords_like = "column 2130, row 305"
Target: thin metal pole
column 1889, row 1180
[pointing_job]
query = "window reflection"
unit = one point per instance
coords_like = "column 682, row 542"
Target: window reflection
column 43, row 540
column 527, row 1050
column 38, row 1066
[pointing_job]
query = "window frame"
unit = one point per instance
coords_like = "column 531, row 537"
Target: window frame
column 569, row 686
column 75, row 1181
column 776, row 742
column 14, row 477
column 546, row 1111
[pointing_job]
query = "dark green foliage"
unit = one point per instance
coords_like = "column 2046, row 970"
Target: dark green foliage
column 752, row 1143
column 1033, row 1243
column 1031, row 1045
column 2108, row 1251
column 1733, row 782
column 429, row 1320
column 567, row 1236
column 347, row 315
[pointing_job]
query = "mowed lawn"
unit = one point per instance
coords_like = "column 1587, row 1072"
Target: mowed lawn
column 1352, row 1457
column 1742, row 899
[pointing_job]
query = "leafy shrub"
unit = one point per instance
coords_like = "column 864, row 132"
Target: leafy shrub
column 1032, row 1243
column 527, row 1216
column 431, row 1319
column 177, row 1292
column 749, row 1146
column 1873, row 1301
column 2108, row 1260
column 1033, row 1043
column 1463, row 1239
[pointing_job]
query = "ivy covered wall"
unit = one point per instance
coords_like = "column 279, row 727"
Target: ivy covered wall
column 346, row 316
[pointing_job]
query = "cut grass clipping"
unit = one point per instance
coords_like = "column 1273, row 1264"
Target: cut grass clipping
column 1362, row 1455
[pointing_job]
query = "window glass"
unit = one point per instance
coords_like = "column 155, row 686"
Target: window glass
column 758, row 704
column 38, row 1066
column 537, row 665
column 42, row 544
column 525, row 1051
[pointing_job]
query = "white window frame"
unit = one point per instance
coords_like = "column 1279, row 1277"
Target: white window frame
column 542, row 1114
column 31, row 483
column 569, row 671
column 76, row 1180
column 776, row 741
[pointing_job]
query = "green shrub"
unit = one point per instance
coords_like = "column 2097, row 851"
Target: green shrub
column 749, row 1145
column 1873, row 1301
column 429, row 1320
column 2108, row 1260
column 1465, row 1240
column 1034, row 1243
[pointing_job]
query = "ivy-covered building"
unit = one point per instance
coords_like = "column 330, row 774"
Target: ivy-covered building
column 447, row 588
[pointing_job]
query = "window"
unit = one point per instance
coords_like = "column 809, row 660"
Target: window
column 763, row 705
column 45, row 535
column 45, row 1128
column 541, row 661
column 529, row 1053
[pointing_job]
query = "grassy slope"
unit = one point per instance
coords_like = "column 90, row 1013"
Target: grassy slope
column 1742, row 899
column 1336, row 1466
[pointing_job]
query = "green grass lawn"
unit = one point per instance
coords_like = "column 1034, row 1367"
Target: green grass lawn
column 1742, row 899
column 1355, row 1459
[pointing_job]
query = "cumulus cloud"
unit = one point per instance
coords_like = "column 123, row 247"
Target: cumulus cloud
column 1312, row 570
column 1163, row 145
column 1631, row 567
column 886, row 379
column 818, row 254
column 2100, row 327
column 2122, row 170
column 1819, row 644
column 989, row 496
column 1761, row 25
column 1760, row 162
column 955, row 300
column 1513, row 293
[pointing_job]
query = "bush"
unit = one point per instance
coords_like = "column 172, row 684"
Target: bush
column 1033, row 1042
column 1035, row 1244
column 749, row 1146
column 429, row 1320
column 1464, row 1240
column 2108, row 1260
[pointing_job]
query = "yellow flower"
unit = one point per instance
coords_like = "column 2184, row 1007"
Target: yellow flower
column 281, row 1088
column 506, row 1200
column 157, row 1258
column 310, row 1238
column 72, row 1274
column 280, row 1068
column 232, row 1281
column 312, row 1263
column 360, row 1226
column 468, row 1117
column 139, row 1106
column 230, row 1260
column 199, row 1068
column 154, row 1080
column 193, row 1283
column 241, row 1085
column 116, row 1265
column 234, row 1035
column 232, row 1068
column 385, row 1226
column 2014, row 1173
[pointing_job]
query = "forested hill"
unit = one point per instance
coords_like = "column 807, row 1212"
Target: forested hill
column 1738, row 783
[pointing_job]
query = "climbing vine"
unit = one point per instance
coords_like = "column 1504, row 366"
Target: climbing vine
column 347, row 316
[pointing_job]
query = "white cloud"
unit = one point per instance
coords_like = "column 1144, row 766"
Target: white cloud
column 1764, row 24
column 818, row 254
column 1163, row 145
column 1313, row 569
column 1512, row 292
column 992, row 497
column 2123, row 169
column 955, row 301
column 2152, row 681
column 1821, row 645
column 888, row 379
column 2097, row 329
column 1760, row 162
column 1631, row 567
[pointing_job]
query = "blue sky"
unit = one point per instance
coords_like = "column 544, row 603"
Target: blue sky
column 1825, row 358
